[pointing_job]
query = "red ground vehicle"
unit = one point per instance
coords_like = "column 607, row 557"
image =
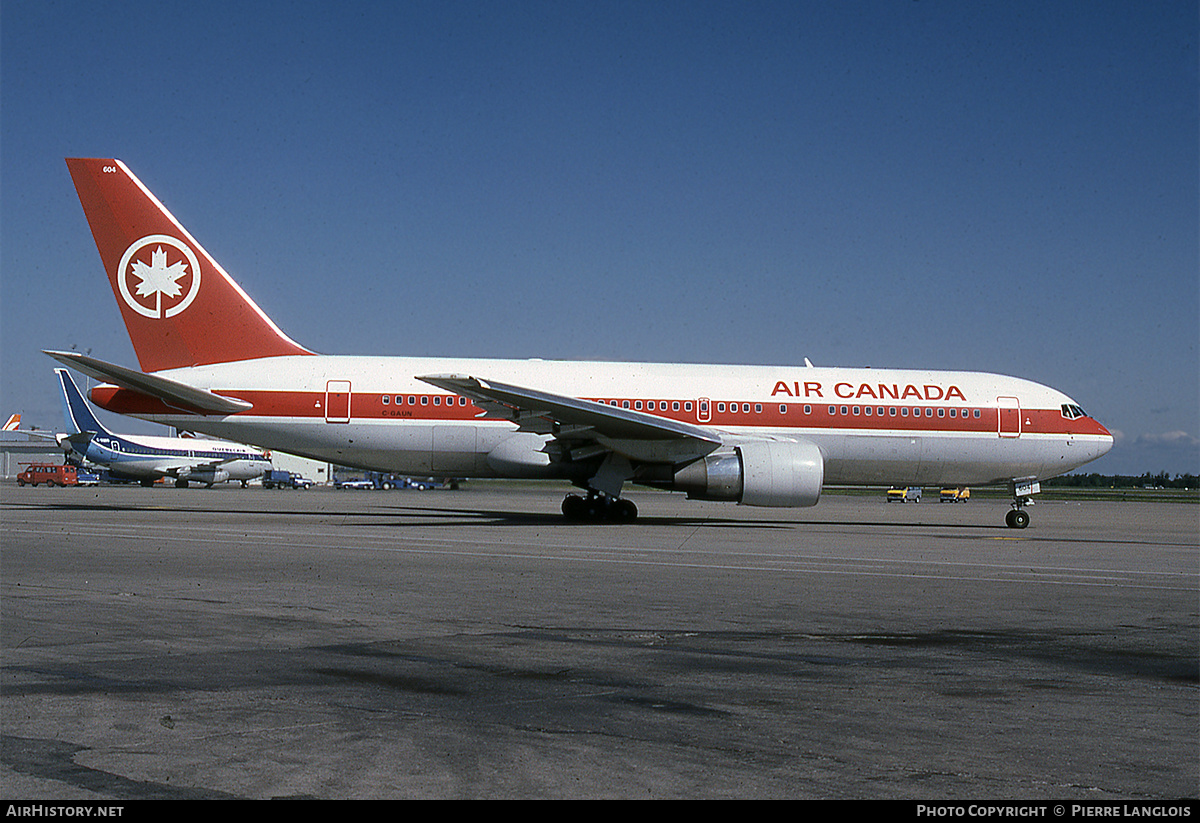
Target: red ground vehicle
column 50, row 474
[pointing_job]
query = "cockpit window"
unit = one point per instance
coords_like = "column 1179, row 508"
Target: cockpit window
column 1072, row 412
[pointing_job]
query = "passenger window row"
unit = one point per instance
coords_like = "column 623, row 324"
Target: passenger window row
column 650, row 405
column 422, row 399
column 902, row 411
column 727, row 407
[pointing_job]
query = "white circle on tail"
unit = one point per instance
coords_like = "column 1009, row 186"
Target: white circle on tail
column 158, row 264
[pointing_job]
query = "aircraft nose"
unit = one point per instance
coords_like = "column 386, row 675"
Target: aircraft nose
column 1103, row 443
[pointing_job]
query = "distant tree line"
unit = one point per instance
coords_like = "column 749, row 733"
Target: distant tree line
column 1162, row 480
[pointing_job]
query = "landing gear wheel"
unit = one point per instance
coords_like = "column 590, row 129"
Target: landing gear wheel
column 181, row 484
column 1017, row 519
column 597, row 507
column 623, row 511
column 574, row 507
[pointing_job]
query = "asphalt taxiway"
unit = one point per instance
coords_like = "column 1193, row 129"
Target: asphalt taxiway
column 164, row 643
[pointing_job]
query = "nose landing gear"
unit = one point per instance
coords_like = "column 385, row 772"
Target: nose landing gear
column 1017, row 518
column 1022, row 491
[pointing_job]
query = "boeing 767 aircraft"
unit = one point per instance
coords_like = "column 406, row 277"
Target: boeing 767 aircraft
column 212, row 361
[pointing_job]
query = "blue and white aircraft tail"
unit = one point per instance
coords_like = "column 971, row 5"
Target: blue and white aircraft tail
column 148, row 459
column 76, row 413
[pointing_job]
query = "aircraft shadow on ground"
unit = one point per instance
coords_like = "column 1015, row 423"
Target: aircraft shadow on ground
column 395, row 516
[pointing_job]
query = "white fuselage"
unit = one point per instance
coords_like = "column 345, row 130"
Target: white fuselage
column 872, row 426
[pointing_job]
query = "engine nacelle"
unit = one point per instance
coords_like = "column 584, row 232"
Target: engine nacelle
column 521, row 455
column 758, row 473
column 208, row 476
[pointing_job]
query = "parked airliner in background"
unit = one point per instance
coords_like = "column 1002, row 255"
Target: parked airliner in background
column 212, row 361
column 147, row 459
column 13, row 424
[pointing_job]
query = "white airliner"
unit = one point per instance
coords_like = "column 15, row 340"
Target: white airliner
column 143, row 458
column 212, row 361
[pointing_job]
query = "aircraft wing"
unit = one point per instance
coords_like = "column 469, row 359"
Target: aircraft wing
column 633, row 434
column 172, row 392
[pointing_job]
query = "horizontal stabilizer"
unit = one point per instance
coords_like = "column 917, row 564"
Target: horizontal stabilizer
column 170, row 392
column 78, row 441
column 34, row 434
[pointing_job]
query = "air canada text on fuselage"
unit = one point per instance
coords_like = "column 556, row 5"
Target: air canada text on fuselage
column 812, row 389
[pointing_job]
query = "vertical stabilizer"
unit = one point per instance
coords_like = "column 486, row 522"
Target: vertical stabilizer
column 76, row 414
column 179, row 306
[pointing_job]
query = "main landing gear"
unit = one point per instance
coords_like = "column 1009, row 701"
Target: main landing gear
column 598, row 507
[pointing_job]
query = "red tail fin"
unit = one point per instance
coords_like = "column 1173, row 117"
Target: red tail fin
column 180, row 307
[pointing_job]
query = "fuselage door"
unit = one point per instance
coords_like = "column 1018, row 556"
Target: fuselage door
column 1009, row 410
column 337, row 401
column 703, row 410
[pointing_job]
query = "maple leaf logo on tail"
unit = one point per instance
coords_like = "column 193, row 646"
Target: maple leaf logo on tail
column 158, row 277
column 158, row 262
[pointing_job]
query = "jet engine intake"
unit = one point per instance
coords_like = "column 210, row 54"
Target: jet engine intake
column 757, row 473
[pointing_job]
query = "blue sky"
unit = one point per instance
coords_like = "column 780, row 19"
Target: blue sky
column 1008, row 187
